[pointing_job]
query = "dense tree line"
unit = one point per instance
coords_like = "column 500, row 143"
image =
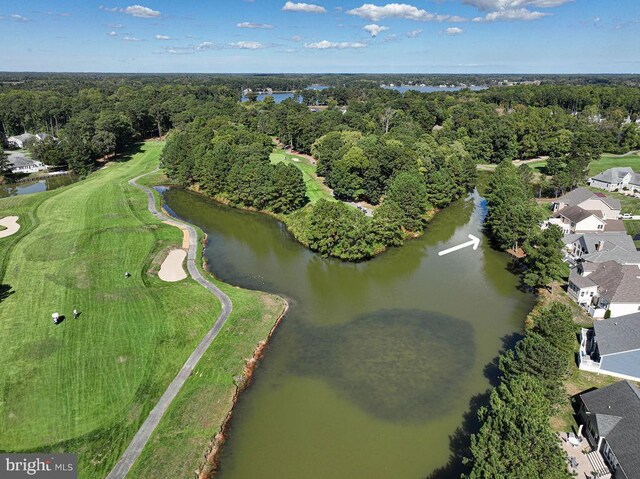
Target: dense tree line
column 515, row 439
column 227, row 160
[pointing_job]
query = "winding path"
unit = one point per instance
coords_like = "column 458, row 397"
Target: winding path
column 138, row 442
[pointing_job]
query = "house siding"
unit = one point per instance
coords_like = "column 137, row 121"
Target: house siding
column 627, row 363
column 622, row 309
column 595, row 204
column 589, row 224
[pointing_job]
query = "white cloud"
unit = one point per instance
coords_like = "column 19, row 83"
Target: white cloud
column 18, row 18
column 495, row 5
column 324, row 44
column 247, row 45
column 163, row 37
column 205, row 46
column 140, row 11
column 131, row 39
column 303, row 7
column 454, row 31
column 374, row 29
column 114, row 25
column 296, row 38
column 511, row 15
column 375, row 13
column 254, row 25
column 511, row 10
column 414, row 33
column 112, row 34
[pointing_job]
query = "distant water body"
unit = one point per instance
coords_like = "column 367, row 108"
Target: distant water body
column 280, row 97
column 27, row 188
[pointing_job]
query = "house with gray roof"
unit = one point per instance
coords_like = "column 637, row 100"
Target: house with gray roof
column 574, row 219
column 590, row 201
column 19, row 163
column 615, row 179
column 20, row 141
column 612, row 347
column 610, row 418
column 609, row 286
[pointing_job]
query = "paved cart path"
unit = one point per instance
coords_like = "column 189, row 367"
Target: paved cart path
column 138, row 442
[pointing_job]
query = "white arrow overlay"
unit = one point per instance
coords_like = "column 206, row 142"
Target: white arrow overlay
column 475, row 242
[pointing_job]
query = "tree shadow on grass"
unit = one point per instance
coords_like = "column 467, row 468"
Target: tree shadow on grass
column 127, row 153
column 5, row 291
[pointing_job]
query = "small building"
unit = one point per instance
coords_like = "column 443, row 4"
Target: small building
column 615, row 179
column 20, row 141
column 18, row 163
column 590, row 201
column 610, row 418
column 574, row 219
column 612, row 347
column 606, row 286
column 598, row 245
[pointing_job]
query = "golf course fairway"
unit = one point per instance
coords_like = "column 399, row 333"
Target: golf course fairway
column 86, row 385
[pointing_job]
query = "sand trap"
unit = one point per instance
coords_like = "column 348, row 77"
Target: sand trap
column 11, row 223
column 171, row 269
column 185, row 234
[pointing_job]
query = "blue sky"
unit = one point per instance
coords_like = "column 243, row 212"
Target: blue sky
column 436, row 36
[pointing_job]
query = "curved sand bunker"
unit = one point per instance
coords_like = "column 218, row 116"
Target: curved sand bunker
column 11, row 223
column 171, row 269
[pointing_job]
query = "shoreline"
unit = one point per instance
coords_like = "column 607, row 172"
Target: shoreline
column 408, row 235
column 209, row 468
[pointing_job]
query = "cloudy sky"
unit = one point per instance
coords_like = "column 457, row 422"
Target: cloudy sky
column 475, row 36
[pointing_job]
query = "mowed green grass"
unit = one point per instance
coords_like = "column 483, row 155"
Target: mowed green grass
column 612, row 161
column 316, row 189
column 86, row 385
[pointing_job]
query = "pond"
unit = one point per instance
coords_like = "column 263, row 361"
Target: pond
column 376, row 363
column 28, row 187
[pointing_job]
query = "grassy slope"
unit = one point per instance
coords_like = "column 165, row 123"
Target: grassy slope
column 613, row 161
column 86, row 385
column 177, row 447
column 316, row 189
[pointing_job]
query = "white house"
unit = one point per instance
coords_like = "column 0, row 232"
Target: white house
column 612, row 347
column 606, row 286
column 19, row 163
column 20, row 141
column 600, row 247
column 574, row 219
column 590, row 201
column 614, row 179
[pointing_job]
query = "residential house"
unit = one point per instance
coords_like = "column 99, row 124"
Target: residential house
column 611, row 420
column 606, row 286
column 588, row 200
column 19, row 163
column 574, row 219
column 615, row 179
column 20, row 141
column 612, row 347
column 579, row 245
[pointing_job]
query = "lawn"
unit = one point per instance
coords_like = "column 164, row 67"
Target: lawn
column 86, row 385
column 613, row 161
column 316, row 189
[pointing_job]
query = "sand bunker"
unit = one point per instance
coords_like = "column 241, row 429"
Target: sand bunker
column 185, row 234
column 171, row 269
column 11, row 223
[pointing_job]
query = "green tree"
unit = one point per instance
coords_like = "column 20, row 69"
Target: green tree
column 409, row 192
column 441, row 188
column 515, row 440
column 544, row 258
